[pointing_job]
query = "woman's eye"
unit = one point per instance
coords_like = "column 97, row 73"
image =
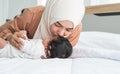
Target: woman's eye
column 57, row 25
column 69, row 30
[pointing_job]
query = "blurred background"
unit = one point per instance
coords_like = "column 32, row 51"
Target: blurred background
column 91, row 22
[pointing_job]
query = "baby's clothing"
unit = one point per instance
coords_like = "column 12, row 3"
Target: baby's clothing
column 33, row 49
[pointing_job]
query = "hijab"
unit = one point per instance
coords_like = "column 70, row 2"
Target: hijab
column 58, row 10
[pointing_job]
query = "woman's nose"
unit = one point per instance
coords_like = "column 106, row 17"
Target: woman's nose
column 62, row 32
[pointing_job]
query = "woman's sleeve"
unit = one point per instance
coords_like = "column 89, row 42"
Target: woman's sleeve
column 15, row 25
column 73, row 38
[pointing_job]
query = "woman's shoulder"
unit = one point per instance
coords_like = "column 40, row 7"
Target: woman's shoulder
column 36, row 8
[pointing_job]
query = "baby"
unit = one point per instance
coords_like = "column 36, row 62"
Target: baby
column 58, row 47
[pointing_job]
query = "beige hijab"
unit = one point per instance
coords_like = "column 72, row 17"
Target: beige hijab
column 58, row 10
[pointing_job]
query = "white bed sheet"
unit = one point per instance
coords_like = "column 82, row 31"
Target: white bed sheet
column 95, row 66
column 98, row 45
column 59, row 66
column 29, row 66
column 92, row 55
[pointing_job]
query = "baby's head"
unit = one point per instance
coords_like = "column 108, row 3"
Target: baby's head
column 59, row 47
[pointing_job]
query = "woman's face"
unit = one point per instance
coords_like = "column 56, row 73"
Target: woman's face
column 62, row 28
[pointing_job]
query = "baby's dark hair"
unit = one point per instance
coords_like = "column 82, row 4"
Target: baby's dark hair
column 60, row 48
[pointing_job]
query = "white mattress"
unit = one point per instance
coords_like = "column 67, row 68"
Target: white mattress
column 59, row 66
column 28, row 66
column 95, row 53
column 98, row 45
column 95, row 66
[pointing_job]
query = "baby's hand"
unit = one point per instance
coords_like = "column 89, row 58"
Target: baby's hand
column 24, row 33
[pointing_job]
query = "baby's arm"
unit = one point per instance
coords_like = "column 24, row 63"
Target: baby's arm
column 2, row 43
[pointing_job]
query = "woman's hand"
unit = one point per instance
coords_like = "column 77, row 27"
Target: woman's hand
column 46, row 41
column 14, row 40
column 74, row 37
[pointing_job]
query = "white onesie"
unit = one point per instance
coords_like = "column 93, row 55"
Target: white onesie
column 33, row 49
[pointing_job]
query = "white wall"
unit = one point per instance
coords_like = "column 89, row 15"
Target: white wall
column 3, row 11
column 41, row 2
column 11, row 8
column 15, row 6
column 99, row 2
column 87, row 2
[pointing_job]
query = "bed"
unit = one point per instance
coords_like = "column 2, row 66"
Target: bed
column 95, row 53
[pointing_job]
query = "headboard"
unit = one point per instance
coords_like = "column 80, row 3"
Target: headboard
column 105, row 8
column 104, row 18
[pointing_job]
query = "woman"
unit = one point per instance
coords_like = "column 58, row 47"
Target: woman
column 59, row 17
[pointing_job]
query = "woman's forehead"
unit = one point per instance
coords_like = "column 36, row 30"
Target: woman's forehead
column 66, row 23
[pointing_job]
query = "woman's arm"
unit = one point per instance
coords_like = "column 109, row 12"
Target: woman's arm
column 2, row 43
column 28, row 21
column 74, row 37
column 10, row 30
column 17, row 24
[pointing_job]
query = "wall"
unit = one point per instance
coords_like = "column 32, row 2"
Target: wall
column 87, row 2
column 11, row 8
column 100, row 2
column 3, row 10
column 15, row 6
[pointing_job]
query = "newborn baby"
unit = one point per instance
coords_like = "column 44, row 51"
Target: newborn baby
column 57, row 47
